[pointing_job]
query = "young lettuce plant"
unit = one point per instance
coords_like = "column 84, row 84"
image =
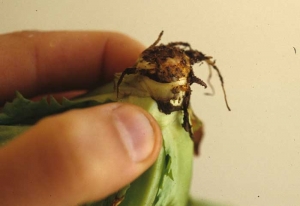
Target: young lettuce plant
column 159, row 82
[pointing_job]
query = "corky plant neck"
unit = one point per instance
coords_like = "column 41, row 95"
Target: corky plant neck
column 164, row 64
column 165, row 72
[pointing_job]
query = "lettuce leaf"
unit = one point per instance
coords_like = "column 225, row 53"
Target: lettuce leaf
column 25, row 111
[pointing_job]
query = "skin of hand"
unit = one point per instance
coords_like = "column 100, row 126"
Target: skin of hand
column 82, row 155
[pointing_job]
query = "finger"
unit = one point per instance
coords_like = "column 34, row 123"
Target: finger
column 78, row 157
column 37, row 62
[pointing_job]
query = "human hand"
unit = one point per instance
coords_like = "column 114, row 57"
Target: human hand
column 81, row 155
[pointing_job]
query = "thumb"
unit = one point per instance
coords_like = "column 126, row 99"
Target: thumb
column 79, row 156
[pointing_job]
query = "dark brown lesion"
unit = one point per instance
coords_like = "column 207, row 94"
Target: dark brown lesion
column 167, row 107
column 186, row 118
column 197, row 139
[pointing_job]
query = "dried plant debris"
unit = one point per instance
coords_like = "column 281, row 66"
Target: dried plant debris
column 172, row 64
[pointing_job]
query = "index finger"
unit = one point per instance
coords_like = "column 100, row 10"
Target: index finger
column 42, row 62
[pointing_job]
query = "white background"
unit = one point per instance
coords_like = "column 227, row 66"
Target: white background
column 250, row 156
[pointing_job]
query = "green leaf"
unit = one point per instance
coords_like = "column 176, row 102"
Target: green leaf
column 8, row 132
column 25, row 111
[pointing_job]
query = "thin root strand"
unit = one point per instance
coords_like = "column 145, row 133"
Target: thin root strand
column 209, row 82
column 157, row 40
column 212, row 63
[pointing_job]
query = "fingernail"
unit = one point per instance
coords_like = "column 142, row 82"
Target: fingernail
column 135, row 130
